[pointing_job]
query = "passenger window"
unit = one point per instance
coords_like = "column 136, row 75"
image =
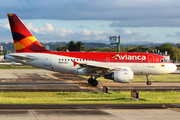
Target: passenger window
column 62, row 59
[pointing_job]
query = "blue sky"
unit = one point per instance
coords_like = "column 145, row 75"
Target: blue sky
column 95, row 20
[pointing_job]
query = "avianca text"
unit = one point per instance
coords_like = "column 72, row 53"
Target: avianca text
column 129, row 57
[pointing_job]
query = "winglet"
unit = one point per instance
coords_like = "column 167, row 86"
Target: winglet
column 23, row 39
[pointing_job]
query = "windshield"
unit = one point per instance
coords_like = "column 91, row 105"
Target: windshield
column 164, row 60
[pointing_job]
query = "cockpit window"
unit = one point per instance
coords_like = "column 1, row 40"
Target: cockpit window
column 164, row 60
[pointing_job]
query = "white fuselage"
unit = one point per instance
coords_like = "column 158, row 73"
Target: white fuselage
column 64, row 64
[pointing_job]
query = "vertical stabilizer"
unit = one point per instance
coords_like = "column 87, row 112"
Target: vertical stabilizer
column 24, row 41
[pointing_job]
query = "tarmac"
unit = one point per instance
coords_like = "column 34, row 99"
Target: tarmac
column 42, row 80
column 85, row 113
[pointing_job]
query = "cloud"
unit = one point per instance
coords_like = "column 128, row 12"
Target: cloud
column 155, row 22
column 127, row 36
column 128, row 32
column 31, row 27
column 6, row 25
column 127, row 13
column 86, row 32
column 82, row 26
column 48, row 27
column 177, row 34
column 49, row 33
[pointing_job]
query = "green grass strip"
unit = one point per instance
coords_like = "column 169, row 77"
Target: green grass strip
column 95, row 97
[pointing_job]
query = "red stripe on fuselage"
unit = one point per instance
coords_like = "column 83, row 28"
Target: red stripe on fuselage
column 111, row 56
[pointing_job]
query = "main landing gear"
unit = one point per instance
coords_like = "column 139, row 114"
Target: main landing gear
column 92, row 81
column 148, row 79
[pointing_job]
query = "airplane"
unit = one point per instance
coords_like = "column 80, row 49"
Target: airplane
column 117, row 66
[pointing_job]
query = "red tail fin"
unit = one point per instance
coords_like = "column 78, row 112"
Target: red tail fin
column 24, row 41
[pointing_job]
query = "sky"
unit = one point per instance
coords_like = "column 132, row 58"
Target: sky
column 154, row 21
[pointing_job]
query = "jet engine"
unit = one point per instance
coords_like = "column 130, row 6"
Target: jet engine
column 123, row 76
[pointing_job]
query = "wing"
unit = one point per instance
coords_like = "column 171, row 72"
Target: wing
column 94, row 68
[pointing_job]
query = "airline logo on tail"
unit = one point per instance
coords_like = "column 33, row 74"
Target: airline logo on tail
column 24, row 41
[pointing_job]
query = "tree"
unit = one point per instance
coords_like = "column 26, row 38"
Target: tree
column 139, row 49
column 170, row 49
column 62, row 48
column 79, row 46
column 71, row 46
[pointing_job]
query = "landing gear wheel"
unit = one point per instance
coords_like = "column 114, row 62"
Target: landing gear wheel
column 94, row 83
column 90, row 80
column 148, row 82
column 148, row 79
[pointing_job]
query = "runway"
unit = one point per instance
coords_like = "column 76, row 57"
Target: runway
column 43, row 80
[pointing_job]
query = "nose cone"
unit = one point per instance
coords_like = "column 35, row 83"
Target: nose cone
column 173, row 68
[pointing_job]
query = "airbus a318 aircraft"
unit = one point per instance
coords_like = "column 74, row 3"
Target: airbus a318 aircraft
column 117, row 66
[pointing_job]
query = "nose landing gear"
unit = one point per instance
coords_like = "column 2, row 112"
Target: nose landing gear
column 148, row 79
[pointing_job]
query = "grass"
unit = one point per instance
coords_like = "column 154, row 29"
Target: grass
column 142, row 78
column 88, row 98
column 16, row 67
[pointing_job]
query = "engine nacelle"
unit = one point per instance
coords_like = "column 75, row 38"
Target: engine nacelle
column 125, row 76
column 82, row 72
